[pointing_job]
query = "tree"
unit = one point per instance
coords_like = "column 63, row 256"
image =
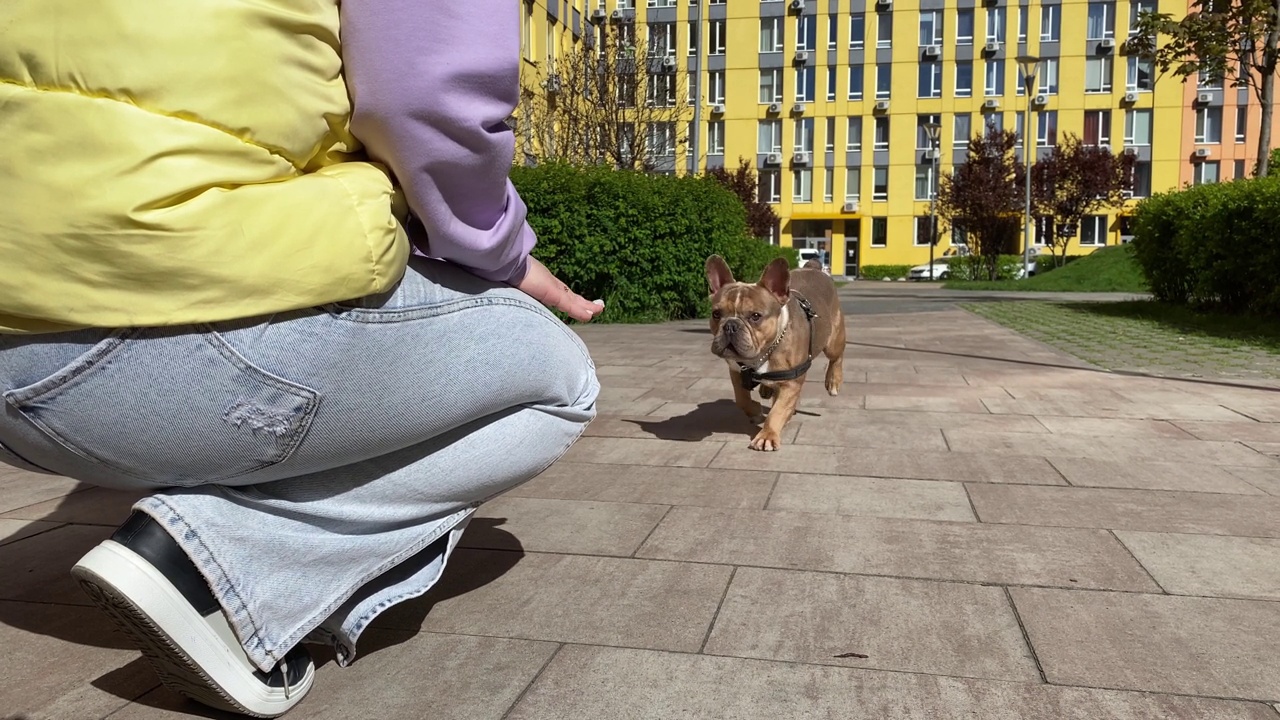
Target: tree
column 762, row 221
column 984, row 196
column 607, row 101
column 1074, row 181
column 1236, row 40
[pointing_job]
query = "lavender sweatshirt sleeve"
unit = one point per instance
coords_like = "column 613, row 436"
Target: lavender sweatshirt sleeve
column 432, row 82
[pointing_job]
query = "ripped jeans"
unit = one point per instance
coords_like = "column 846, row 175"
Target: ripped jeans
column 318, row 466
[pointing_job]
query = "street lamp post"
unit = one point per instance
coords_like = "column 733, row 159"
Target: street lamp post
column 1030, row 65
column 933, row 131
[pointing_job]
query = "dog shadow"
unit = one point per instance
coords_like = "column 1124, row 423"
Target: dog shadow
column 707, row 419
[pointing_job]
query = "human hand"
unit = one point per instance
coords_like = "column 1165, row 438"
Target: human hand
column 541, row 285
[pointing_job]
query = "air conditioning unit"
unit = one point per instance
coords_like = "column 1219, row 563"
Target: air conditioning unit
column 1126, row 194
column 669, row 63
column 797, row 5
column 773, row 159
column 797, row 109
column 884, row 3
column 801, row 158
column 1107, row 44
column 717, row 109
column 553, row 83
column 616, row 16
column 932, row 154
column 598, row 15
column 775, row 108
column 932, row 50
column 1131, row 97
column 1204, row 98
column 1041, row 100
column 1131, row 151
column 802, row 56
column 991, row 47
column 991, row 104
column 850, row 207
column 1202, row 152
column 882, row 105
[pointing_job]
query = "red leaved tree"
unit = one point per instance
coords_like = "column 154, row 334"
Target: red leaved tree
column 1074, row 181
column 984, row 196
column 762, row 221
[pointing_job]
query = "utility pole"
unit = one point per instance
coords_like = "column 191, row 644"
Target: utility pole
column 1030, row 66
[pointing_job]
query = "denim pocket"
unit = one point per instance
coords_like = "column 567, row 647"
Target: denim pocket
column 169, row 407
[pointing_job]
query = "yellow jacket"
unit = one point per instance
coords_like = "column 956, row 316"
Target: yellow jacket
column 181, row 161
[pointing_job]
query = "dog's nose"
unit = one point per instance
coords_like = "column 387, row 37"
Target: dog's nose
column 730, row 327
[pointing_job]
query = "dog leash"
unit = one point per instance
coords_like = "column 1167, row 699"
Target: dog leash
column 752, row 379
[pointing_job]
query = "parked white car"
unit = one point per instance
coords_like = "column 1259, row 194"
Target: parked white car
column 807, row 254
column 939, row 270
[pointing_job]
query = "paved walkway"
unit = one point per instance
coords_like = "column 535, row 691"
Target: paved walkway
column 979, row 527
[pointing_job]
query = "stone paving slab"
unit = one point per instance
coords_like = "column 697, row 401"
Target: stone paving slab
column 1199, row 646
column 661, row 569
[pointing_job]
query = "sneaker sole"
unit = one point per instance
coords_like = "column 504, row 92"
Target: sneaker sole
column 201, row 666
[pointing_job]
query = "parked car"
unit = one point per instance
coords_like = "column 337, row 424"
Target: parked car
column 807, row 254
column 939, row 270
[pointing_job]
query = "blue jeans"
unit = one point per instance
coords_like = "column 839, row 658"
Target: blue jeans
column 318, row 466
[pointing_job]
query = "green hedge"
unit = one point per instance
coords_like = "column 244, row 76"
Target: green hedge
column 880, row 272
column 972, row 267
column 1214, row 246
column 640, row 242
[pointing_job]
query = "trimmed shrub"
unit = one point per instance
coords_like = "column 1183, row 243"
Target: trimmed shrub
column 880, row 272
column 974, row 267
column 639, row 242
column 1214, row 246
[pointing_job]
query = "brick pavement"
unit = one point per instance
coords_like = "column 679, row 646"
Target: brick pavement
column 979, row 527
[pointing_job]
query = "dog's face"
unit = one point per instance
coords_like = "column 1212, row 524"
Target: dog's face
column 745, row 318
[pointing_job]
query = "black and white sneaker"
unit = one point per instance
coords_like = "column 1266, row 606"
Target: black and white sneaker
column 148, row 585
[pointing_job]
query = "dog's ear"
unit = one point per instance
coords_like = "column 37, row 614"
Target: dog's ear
column 777, row 280
column 718, row 273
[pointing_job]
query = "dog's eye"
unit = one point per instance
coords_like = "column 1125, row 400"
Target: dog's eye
column 715, row 314
column 756, row 317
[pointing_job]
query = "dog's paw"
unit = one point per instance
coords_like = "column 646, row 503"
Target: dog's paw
column 766, row 440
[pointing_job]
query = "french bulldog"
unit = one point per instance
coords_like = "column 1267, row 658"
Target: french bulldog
column 769, row 333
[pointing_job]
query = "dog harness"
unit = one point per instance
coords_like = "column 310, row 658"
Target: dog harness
column 751, row 379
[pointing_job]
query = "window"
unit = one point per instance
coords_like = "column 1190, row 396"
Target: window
column 715, row 87
column 1239, row 170
column 964, row 79
column 880, row 183
column 855, row 82
column 833, row 28
column 662, row 139
column 1206, row 172
column 930, row 27
column 879, row 232
column 922, row 231
column 771, row 186
column 803, row 135
column 857, row 30
column 880, row 133
column 661, row 91
column 828, row 185
column 930, row 80
column 1048, row 76
column 626, row 89
column 1137, row 127
column 1137, row 8
column 884, row 80
column 853, row 141
column 769, row 137
column 1141, row 179
column 922, row 137
column 771, row 85
column 551, row 46
column 852, row 184
column 995, row 121
column 716, row 46
column 1102, row 21
column 693, row 38
column 1097, row 127
column 1209, row 80
column 1209, row 125
column 715, row 137
column 805, row 78
column 829, row 135
column 1093, row 230
column 1018, row 121
column 802, row 185
column 962, row 130
column 924, row 181
column 662, row 40
column 995, row 24
column 771, row 34
column 662, row 3
column 884, row 30
column 994, row 85
column 1140, row 75
column 1044, row 230
column 1242, row 122
column 1046, row 128
column 806, row 32
column 1050, row 23
column 1097, row 74
column 964, row 26
column 1024, row 18
column 526, row 31
column 831, row 83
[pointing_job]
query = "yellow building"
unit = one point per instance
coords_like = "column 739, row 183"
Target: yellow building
column 828, row 98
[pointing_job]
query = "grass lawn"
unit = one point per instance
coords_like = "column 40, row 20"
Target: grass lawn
column 1146, row 336
column 1110, row 269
